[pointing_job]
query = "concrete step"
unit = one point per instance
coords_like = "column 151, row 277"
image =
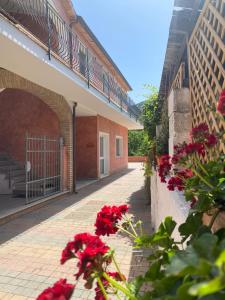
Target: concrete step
column 15, row 173
column 4, row 156
column 5, row 169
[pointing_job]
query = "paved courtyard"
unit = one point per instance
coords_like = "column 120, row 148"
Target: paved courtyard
column 31, row 245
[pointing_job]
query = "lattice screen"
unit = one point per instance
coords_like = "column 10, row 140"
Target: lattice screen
column 207, row 65
column 178, row 81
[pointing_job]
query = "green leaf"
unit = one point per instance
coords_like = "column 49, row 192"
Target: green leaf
column 192, row 224
column 183, row 262
column 182, row 291
column 221, row 180
column 153, row 272
column 207, row 288
column 170, row 225
column 136, row 284
column 206, row 241
column 221, row 260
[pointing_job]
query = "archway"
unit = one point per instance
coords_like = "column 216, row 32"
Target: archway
column 55, row 102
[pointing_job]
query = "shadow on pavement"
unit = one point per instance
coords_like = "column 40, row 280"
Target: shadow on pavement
column 22, row 223
column 141, row 210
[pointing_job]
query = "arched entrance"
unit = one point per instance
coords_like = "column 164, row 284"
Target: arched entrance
column 33, row 121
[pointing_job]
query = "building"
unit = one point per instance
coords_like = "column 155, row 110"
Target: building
column 64, row 108
column 192, row 79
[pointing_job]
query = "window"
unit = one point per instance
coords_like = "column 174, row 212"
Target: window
column 119, row 146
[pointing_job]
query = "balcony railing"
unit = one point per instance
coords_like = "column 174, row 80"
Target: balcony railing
column 44, row 23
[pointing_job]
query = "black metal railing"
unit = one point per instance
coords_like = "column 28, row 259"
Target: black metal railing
column 42, row 20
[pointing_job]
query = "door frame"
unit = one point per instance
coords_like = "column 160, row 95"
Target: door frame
column 105, row 135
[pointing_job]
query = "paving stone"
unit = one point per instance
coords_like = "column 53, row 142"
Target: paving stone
column 30, row 258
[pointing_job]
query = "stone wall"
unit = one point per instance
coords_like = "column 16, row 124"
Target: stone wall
column 179, row 112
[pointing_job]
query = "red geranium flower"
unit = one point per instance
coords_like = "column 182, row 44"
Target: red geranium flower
column 90, row 252
column 179, row 153
column 202, row 137
column 74, row 246
column 107, row 219
column 192, row 148
column 211, row 140
column 200, row 132
column 164, row 167
column 193, row 202
column 178, row 181
column 175, row 183
column 221, row 103
column 61, row 290
column 92, row 258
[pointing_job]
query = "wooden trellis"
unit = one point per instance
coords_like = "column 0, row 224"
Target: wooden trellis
column 207, row 65
column 178, row 81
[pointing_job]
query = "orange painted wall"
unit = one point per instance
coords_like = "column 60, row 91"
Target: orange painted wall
column 114, row 129
column 22, row 112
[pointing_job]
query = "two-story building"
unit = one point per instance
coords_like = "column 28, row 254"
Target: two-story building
column 64, row 108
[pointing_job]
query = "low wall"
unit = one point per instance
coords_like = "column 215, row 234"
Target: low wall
column 166, row 203
column 137, row 158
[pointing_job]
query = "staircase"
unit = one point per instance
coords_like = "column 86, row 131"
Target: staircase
column 12, row 176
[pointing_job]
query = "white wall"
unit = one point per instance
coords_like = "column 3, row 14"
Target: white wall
column 166, row 203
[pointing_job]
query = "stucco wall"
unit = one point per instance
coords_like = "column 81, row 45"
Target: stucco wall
column 86, row 150
column 23, row 112
column 114, row 129
column 166, row 203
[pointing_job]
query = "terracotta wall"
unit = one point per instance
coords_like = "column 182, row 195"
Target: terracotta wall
column 87, row 130
column 114, row 129
column 21, row 112
column 137, row 158
column 86, row 152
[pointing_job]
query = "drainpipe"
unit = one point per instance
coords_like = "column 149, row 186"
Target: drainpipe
column 74, row 147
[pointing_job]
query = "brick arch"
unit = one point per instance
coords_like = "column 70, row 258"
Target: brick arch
column 55, row 101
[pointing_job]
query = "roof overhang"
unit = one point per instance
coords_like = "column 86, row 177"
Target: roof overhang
column 185, row 15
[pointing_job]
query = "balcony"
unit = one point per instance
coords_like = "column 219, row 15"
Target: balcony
column 41, row 20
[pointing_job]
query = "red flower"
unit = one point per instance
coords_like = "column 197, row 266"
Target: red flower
column 90, row 251
column 99, row 295
column 107, row 219
column 92, row 258
column 72, row 247
column 192, row 148
column 175, row 183
column 221, row 103
column 201, row 135
column 164, row 167
column 178, row 181
column 199, row 132
column 193, row 202
column 61, row 290
column 211, row 140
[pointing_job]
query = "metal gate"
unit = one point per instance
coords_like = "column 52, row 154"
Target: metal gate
column 44, row 164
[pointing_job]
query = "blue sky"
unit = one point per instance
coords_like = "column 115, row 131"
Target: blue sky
column 134, row 33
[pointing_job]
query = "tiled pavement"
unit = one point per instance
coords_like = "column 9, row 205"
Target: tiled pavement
column 31, row 245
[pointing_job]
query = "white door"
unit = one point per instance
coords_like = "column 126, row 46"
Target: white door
column 103, row 154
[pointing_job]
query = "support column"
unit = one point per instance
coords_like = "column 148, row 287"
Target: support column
column 179, row 112
column 74, row 147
